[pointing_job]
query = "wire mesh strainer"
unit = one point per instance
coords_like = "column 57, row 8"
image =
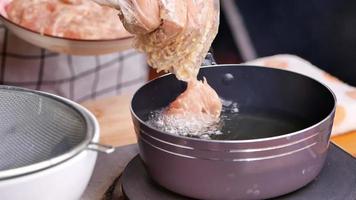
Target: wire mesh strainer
column 39, row 130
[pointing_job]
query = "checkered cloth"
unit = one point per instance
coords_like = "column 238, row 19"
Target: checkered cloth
column 78, row 78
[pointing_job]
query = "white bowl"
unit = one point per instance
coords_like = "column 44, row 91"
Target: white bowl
column 65, row 181
column 67, row 45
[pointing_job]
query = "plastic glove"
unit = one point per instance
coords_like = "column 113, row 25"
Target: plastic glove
column 175, row 34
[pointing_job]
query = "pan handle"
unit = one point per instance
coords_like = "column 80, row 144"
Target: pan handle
column 209, row 58
column 101, row 148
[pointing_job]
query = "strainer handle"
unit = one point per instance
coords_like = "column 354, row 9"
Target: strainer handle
column 101, row 148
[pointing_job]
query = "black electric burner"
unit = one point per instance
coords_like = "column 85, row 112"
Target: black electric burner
column 337, row 181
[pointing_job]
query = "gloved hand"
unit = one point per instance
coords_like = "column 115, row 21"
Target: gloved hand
column 175, row 34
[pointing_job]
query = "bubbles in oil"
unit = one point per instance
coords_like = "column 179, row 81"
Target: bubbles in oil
column 203, row 127
column 233, row 124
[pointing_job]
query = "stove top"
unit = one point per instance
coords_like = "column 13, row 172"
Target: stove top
column 336, row 181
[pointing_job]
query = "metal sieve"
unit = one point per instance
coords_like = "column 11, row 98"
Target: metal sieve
column 39, row 130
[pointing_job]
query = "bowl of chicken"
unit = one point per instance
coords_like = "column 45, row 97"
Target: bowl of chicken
column 75, row 27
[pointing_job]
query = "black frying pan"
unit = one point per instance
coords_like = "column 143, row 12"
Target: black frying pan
column 278, row 142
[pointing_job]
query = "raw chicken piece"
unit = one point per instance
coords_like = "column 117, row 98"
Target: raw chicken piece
column 198, row 100
column 77, row 19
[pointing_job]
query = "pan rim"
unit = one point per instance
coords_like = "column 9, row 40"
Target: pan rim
column 267, row 139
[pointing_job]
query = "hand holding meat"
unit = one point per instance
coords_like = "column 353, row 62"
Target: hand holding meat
column 176, row 35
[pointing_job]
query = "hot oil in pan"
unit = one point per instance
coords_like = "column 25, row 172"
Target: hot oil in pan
column 234, row 124
column 255, row 124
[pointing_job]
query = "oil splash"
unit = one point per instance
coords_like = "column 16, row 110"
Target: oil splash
column 203, row 127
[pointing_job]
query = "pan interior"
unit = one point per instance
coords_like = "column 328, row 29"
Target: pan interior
column 271, row 102
column 254, row 123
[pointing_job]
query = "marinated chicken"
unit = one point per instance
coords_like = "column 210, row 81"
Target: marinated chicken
column 197, row 100
column 76, row 19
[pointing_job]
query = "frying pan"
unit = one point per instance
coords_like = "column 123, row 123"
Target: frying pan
column 277, row 144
